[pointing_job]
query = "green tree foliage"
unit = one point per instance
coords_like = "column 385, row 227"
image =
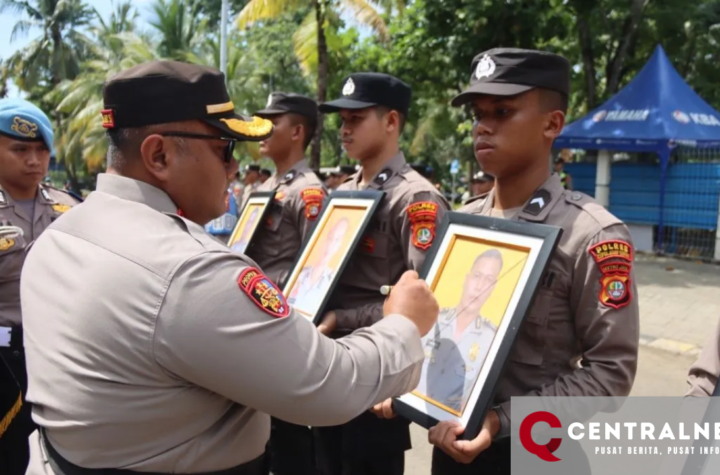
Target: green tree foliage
column 308, row 46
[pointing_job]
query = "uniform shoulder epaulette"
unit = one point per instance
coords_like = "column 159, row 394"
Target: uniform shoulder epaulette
column 476, row 198
column 588, row 204
column 66, row 192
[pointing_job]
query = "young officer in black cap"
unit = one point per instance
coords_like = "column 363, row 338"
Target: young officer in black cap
column 298, row 202
column 373, row 108
column 519, row 100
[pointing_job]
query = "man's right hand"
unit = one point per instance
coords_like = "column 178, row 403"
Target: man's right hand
column 412, row 298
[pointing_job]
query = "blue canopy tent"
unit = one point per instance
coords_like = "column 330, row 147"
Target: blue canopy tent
column 656, row 112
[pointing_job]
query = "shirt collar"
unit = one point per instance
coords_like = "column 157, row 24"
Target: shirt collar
column 137, row 191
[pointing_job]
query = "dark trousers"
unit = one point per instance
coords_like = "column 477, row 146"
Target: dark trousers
column 494, row 461
column 364, row 446
column 14, row 447
column 291, row 449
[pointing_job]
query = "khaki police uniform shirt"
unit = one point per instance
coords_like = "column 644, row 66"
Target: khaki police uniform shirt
column 50, row 203
column 397, row 241
column 703, row 375
column 165, row 351
column 579, row 310
column 298, row 202
column 453, row 362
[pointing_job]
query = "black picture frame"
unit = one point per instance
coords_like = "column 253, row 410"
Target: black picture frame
column 546, row 239
column 263, row 197
column 369, row 200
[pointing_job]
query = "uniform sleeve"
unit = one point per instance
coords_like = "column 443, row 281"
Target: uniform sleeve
column 306, row 209
column 703, row 375
column 603, row 298
column 419, row 221
column 418, row 218
column 224, row 326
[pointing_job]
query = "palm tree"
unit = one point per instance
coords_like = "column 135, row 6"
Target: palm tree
column 180, row 26
column 83, row 137
column 310, row 40
column 60, row 48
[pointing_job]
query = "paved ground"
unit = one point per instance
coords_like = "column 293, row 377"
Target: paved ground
column 679, row 302
column 660, row 373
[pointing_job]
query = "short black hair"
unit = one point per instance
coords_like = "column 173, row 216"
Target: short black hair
column 382, row 111
column 124, row 143
column 266, row 172
column 308, row 125
column 553, row 101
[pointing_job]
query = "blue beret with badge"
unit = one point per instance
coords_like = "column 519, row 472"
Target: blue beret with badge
column 21, row 120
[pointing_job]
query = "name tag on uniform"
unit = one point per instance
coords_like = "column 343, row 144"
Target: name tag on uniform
column 5, row 333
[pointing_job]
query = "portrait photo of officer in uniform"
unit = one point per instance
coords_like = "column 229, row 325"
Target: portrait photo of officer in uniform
column 247, row 230
column 458, row 345
column 316, row 277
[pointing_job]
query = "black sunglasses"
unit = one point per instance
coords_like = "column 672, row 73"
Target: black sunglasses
column 229, row 148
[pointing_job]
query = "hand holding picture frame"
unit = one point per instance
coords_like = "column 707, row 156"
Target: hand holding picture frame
column 253, row 214
column 484, row 273
column 328, row 249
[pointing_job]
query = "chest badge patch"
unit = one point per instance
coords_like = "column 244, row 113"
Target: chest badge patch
column 313, row 198
column 263, row 292
column 422, row 216
column 6, row 243
column 60, row 208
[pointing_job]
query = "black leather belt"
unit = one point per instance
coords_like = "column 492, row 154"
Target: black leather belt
column 62, row 467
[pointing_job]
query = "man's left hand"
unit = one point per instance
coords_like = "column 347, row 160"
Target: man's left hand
column 445, row 434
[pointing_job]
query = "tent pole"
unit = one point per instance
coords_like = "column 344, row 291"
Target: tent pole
column 664, row 161
column 602, row 178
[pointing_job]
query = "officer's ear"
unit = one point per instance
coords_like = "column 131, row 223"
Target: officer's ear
column 554, row 104
column 153, row 153
column 393, row 121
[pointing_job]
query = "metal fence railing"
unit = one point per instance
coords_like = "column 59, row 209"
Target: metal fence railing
column 686, row 223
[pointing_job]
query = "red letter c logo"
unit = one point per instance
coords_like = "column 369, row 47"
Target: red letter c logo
column 542, row 451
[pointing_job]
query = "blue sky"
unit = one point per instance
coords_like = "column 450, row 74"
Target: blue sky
column 8, row 19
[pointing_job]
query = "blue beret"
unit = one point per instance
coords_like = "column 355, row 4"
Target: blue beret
column 19, row 118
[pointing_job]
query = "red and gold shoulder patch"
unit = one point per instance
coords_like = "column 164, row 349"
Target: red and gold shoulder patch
column 605, row 250
column 313, row 198
column 615, row 280
column 422, row 217
column 615, row 286
column 263, row 292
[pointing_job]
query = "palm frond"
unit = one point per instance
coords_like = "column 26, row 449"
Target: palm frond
column 366, row 14
column 256, row 10
column 305, row 44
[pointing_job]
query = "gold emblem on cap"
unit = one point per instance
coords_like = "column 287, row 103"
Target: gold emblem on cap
column 24, row 127
column 257, row 128
column 6, row 243
column 218, row 108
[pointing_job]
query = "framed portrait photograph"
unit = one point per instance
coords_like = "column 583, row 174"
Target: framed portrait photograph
column 338, row 231
column 254, row 213
column 484, row 273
